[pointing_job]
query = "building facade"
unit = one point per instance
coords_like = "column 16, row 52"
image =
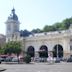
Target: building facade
column 57, row 43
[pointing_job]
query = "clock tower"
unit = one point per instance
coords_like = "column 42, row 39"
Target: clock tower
column 12, row 26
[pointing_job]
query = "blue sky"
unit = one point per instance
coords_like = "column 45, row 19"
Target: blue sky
column 35, row 13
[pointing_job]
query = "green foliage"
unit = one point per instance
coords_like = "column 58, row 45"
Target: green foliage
column 65, row 24
column 12, row 47
column 49, row 28
column 1, row 51
column 27, row 58
column 36, row 30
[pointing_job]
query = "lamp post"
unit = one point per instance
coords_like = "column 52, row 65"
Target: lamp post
column 57, row 52
column 58, row 46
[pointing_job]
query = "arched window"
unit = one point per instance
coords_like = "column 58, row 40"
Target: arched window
column 31, row 51
column 58, row 51
column 43, row 51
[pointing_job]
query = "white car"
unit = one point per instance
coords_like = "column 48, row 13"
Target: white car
column 15, row 59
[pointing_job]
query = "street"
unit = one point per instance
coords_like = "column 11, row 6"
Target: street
column 38, row 67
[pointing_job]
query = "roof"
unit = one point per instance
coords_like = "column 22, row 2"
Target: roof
column 13, row 15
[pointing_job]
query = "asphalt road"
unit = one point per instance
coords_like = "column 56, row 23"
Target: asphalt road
column 38, row 67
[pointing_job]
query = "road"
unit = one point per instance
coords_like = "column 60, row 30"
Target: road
column 38, row 67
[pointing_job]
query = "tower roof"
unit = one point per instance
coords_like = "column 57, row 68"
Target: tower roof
column 13, row 15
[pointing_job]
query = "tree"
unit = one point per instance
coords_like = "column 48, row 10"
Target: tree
column 59, row 25
column 12, row 47
column 48, row 28
column 27, row 58
column 66, row 23
column 24, row 33
column 1, row 51
column 36, row 30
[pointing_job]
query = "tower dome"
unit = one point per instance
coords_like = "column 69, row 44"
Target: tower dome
column 13, row 15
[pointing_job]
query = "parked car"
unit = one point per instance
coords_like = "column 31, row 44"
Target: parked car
column 3, row 57
column 15, row 59
column 69, row 59
column 9, row 59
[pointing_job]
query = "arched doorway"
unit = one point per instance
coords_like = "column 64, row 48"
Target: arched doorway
column 43, row 51
column 58, row 51
column 31, row 51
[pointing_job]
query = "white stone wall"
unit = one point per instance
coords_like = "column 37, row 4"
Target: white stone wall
column 50, row 40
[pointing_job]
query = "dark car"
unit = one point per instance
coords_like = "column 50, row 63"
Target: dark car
column 8, row 59
column 3, row 57
column 69, row 59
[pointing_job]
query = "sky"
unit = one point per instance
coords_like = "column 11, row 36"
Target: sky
column 34, row 14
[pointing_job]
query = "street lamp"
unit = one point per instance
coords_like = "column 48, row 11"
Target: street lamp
column 58, row 46
column 57, row 52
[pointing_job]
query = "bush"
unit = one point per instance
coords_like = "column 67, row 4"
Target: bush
column 27, row 59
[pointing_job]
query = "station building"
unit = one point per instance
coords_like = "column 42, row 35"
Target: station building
column 57, row 43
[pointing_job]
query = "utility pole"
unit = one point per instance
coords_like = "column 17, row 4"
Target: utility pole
column 58, row 45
